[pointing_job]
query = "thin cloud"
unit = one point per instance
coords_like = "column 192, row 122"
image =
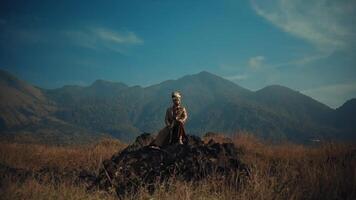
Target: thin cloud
column 82, row 38
column 301, row 61
column 327, row 24
column 92, row 38
column 238, row 77
column 123, row 37
column 102, row 38
column 256, row 62
column 333, row 95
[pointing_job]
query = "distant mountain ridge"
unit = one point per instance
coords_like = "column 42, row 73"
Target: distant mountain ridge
column 213, row 103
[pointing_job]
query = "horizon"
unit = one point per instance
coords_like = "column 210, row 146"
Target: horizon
column 308, row 46
column 204, row 71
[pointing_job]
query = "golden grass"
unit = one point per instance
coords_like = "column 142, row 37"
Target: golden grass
column 36, row 156
column 279, row 171
column 291, row 171
column 32, row 189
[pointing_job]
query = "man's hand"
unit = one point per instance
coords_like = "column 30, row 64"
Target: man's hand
column 170, row 126
column 181, row 121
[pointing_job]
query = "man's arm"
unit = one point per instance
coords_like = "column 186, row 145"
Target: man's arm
column 184, row 116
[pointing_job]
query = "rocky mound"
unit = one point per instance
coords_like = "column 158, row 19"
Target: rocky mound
column 141, row 165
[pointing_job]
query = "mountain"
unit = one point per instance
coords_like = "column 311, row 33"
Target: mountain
column 302, row 116
column 20, row 103
column 200, row 92
column 292, row 104
column 26, row 111
column 345, row 118
column 213, row 103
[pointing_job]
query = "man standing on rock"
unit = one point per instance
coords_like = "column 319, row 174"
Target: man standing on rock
column 176, row 116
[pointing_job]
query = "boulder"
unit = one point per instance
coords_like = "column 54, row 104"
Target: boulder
column 142, row 165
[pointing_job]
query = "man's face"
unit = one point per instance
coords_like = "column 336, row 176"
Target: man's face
column 176, row 101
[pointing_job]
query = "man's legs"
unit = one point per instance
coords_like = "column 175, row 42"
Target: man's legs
column 177, row 134
column 181, row 133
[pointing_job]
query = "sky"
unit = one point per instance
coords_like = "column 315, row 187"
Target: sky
column 306, row 45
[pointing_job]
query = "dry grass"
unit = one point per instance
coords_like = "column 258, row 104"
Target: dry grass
column 291, row 171
column 32, row 189
column 279, row 171
column 36, row 156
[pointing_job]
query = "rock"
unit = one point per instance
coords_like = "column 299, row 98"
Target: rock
column 141, row 165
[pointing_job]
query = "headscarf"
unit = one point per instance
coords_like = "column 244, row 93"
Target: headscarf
column 176, row 95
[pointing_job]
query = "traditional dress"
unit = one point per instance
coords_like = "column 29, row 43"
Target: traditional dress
column 175, row 119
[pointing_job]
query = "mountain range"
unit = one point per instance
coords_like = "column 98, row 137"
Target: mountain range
column 214, row 104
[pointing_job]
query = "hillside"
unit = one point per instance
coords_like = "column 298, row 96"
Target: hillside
column 345, row 118
column 26, row 113
column 213, row 104
column 20, row 103
column 280, row 171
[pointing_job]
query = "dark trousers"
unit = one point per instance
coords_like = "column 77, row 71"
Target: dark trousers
column 177, row 132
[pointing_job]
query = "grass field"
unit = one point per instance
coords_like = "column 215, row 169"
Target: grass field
column 278, row 171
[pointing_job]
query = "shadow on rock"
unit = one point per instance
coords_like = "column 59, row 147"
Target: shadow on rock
column 141, row 165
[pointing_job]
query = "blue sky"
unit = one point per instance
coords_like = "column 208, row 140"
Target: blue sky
column 307, row 45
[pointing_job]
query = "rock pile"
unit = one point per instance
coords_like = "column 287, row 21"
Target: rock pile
column 141, row 165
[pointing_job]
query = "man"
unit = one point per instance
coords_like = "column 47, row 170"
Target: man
column 175, row 118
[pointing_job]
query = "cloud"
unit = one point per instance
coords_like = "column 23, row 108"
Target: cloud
column 256, row 62
column 102, row 38
column 96, row 38
column 333, row 95
column 327, row 24
column 237, row 77
column 81, row 38
column 302, row 61
column 124, row 37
